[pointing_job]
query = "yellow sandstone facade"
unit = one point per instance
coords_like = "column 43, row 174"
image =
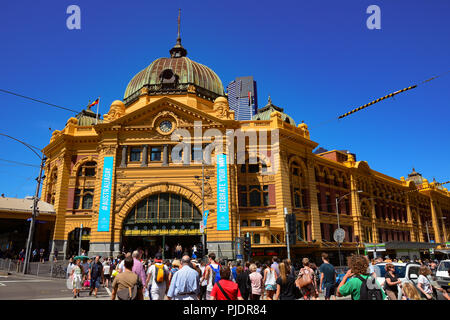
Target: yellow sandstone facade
column 156, row 201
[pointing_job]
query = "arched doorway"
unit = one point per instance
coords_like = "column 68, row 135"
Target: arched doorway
column 159, row 222
column 73, row 241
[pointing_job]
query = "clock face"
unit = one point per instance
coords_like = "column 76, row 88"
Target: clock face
column 165, row 126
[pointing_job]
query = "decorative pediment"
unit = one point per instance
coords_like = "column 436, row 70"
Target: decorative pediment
column 182, row 115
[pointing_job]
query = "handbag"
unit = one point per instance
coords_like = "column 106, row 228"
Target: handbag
column 304, row 280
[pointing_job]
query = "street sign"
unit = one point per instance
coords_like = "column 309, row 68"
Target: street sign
column 202, row 227
column 339, row 235
column 239, row 256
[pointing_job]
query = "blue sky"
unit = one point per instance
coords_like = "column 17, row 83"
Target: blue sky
column 316, row 59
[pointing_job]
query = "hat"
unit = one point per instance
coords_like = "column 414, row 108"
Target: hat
column 158, row 256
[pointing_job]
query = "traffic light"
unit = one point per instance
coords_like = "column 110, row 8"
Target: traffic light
column 200, row 250
column 292, row 228
column 247, row 245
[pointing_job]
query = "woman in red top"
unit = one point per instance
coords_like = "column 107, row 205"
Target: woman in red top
column 225, row 289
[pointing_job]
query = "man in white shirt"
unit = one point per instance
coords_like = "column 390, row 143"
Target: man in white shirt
column 121, row 264
column 208, row 275
column 158, row 289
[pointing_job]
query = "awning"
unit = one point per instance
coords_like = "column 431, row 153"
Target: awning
column 446, row 251
column 395, row 245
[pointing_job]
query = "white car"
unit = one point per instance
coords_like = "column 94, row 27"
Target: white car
column 405, row 272
column 442, row 274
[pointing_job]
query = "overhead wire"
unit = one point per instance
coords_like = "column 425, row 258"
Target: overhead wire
column 37, row 100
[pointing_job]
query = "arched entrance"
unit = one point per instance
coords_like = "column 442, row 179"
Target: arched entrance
column 73, row 241
column 161, row 221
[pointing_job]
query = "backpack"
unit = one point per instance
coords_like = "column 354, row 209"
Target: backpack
column 159, row 268
column 370, row 289
column 215, row 274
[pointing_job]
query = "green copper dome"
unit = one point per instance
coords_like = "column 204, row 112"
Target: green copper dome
column 175, row 74
column 264, row 113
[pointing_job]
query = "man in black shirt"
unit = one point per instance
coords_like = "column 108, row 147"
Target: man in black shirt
column 327, row 277
column 96, row 275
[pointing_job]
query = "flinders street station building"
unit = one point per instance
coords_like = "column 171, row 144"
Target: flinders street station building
column 161, row 162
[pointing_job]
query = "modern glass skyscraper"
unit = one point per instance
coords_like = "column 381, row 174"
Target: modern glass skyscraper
column 242, row 97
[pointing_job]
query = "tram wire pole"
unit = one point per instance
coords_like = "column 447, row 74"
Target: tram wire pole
column 34, row 215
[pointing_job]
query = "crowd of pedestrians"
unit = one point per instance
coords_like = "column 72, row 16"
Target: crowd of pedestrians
column 130, row 276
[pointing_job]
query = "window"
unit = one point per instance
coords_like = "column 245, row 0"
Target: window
column 135, row 154
column 256, row 238
column 244, row 223
column 163, row 206
column 255, row 223
column 300, row 235
column 254, row 196
column 87, row 169
column 259, row 167
column 319, row 201
column 155, row 154
column 347, row 206
column 329, row 207
column 267, row 223
column 196, row 153
column 253, row 168
column 297, row 202
column 85, row 197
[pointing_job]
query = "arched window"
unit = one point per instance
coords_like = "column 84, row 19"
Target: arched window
column 163, row 206
column 85, row 180
column 254, row 196
column 88, row 169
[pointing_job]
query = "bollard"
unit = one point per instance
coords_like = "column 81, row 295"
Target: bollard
column 9, row 266
column 37, row 272
column 51, row 269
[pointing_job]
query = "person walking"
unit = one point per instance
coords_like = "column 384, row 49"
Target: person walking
column 69, row 268
column 275, row 266
column 425, row 285
column 203, row 281
column 243, row 282
column 327, row 277
column 85, row 267
column 225, row 289
column 41, row 254
column 35, row 252
column 95, row 275
column 212, row 274
column 309, row 288
column 178, row 251
column 185, row 282
column 138, row 268
column 55, row 255
column 256, row 281
column 76, row 277
column 158, row 274
column 270, row 278
column 356, row 274
column 409, row 292
column 127, row 280
column 391, row 282
column 286, row 288
column 107, row 272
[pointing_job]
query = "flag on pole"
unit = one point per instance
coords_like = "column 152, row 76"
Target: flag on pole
column 94, row 103
column 249, row 98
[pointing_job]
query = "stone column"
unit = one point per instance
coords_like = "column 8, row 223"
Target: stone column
column 435, row 220
column 314, row 225
column 165, row 155
column 409, row 219
column 356, row 209
column 123, row 163
column 145, row 156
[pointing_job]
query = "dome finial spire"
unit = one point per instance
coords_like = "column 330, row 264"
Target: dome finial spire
column 178, row 51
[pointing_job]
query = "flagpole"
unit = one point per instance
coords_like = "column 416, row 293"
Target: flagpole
column 96, row 117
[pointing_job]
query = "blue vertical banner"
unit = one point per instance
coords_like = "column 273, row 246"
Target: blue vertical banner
column 223, row 219
column 205, row 217
column 104, row 213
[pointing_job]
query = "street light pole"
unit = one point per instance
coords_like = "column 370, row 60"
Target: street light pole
column 33, row 217
column 203, row 206
column 287, row 234
column 79, row 241
column 339, row 226
column 338, row 223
